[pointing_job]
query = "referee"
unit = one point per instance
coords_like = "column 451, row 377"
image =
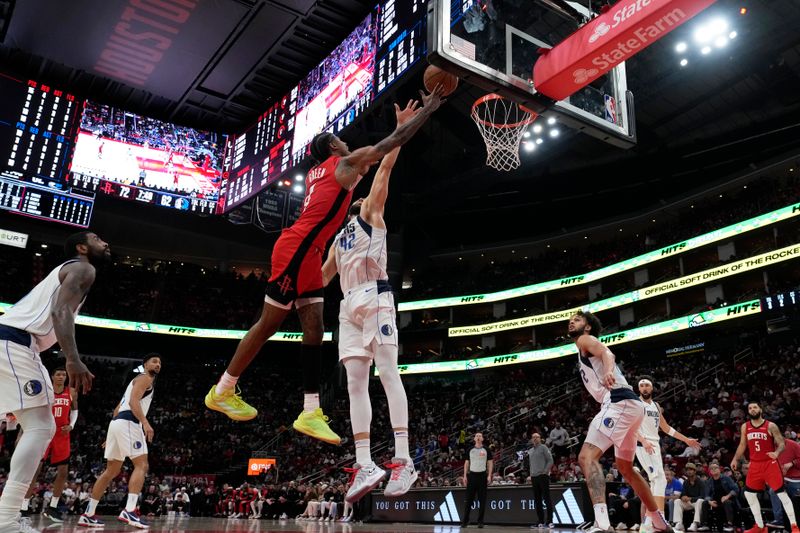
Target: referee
column 477, row 474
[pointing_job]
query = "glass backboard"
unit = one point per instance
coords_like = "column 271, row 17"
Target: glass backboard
column 494, row 44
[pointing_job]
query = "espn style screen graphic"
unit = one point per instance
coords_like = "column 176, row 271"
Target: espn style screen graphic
column 506, row 505
column 120, row 146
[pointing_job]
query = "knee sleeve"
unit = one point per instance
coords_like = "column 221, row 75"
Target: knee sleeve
column 358, row 389
column 38, row 427
column 658, row 482
column 386, row 361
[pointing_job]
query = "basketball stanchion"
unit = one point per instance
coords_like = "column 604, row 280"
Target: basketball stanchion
column 502, row 123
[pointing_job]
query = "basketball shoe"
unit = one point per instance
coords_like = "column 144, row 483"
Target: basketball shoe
column 366, row 478
column 231, row 404
column 90, row 521
column 315, row 424
column 132, row 518
column 756, row 529
column 402, row 478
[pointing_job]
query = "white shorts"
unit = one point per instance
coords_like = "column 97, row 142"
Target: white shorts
column 125, row 439
column 24, row 381
column 651, row 463
column 366, row 315
column 616, row 425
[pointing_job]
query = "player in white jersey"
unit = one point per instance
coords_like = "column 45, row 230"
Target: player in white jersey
column 368, row 330
column 617, row 423
column 128, row 435
column 46, row 315
column 648, row 452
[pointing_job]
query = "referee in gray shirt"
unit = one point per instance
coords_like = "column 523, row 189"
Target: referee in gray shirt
column 477, row 475
column 541, row 461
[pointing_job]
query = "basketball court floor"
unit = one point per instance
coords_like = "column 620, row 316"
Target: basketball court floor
column 179, row 525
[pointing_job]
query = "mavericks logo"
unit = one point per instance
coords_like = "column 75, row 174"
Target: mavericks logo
column 33, row 387
column 386, row 330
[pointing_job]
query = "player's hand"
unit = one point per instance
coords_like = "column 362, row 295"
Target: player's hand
column 713, row 504
column 734, row 466
column 648, row 447
column 694, row 443
column 66, row 429
column 433, row 100
column 148, row 431
column 609, row 380
column 103, row 446
column 772, row 455
column 407, row 113
column 79, row 376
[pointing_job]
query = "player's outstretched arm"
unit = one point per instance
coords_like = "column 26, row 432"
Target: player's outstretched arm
column 740, row 449
column 77, row 280
column 352, row 166
column 329, row 267
column 672, row 432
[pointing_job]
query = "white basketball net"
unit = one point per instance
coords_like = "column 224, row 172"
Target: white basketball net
column 502, row 123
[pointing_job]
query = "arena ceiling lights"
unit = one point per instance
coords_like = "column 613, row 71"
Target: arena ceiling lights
column 717, row 235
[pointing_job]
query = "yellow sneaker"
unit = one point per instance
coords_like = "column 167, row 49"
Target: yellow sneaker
column 230, row 404
column 315, row 424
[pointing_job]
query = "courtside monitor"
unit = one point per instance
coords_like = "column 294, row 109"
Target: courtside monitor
column 494, row 44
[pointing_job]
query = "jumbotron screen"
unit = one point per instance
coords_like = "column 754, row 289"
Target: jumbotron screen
column 143, row 159
column 383, row 47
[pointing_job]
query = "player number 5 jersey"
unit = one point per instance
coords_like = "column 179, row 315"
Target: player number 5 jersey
column 360, row 253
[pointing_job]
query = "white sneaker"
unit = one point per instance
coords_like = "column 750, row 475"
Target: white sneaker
column 680, row 527
column 402, row 478
column 634, row 527
column 284, row 517
column 622, row 526
column 367, row 478
column 693, row 526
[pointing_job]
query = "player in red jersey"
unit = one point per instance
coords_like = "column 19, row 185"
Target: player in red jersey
column 764, row 442
column 65, row 412
column 297, row 269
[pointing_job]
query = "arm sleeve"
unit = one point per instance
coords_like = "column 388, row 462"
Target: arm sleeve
column 73, row 418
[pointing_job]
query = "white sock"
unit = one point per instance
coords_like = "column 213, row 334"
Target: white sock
column 92, row 507
column 363, row 456
column 401, row 445
column 755, row 507
column 310, row 402
column 133, row 500
column 226, row 382
column 25, row 503
column 601, row 516
column 788, row 507
column 54, row 501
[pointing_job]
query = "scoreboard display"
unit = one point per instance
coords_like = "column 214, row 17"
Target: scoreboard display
column 386, row 44
column 38, row 124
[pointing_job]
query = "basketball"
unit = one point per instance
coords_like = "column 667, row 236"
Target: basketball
column 435, row 75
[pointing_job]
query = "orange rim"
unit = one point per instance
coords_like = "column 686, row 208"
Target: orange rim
column 494, row 96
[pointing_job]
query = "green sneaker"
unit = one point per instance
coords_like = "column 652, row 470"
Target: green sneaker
column 315, row 424
column 230, row 404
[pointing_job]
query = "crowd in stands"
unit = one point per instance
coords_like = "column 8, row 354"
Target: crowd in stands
column 196, row 451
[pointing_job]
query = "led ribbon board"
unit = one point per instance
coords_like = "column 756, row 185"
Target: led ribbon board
column 727, row 232
column 164, row 329
column 712, row 274
column 661, row 328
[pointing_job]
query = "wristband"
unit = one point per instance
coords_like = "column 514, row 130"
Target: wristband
column 671, row 432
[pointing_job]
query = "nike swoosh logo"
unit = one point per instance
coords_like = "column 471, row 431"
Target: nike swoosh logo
column 367, row 290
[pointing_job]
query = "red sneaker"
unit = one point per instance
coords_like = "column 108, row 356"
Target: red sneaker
column 756, row 529
column 795, row 529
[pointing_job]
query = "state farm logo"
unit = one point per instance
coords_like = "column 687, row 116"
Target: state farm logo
column 599, row 31
column 583, row 75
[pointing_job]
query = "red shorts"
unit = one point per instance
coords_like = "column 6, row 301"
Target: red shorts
column 296, row 271
column 58, row 450
column 763, row 473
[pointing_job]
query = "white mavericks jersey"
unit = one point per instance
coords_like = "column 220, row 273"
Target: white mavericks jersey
column 591, row 369
column 32, row 313
column 649, row 427
column 360, row 253
column 147, row 399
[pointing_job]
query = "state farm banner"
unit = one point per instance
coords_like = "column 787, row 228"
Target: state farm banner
column 626, row 29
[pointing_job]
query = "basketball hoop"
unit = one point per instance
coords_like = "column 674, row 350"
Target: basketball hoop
column 502, row 123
